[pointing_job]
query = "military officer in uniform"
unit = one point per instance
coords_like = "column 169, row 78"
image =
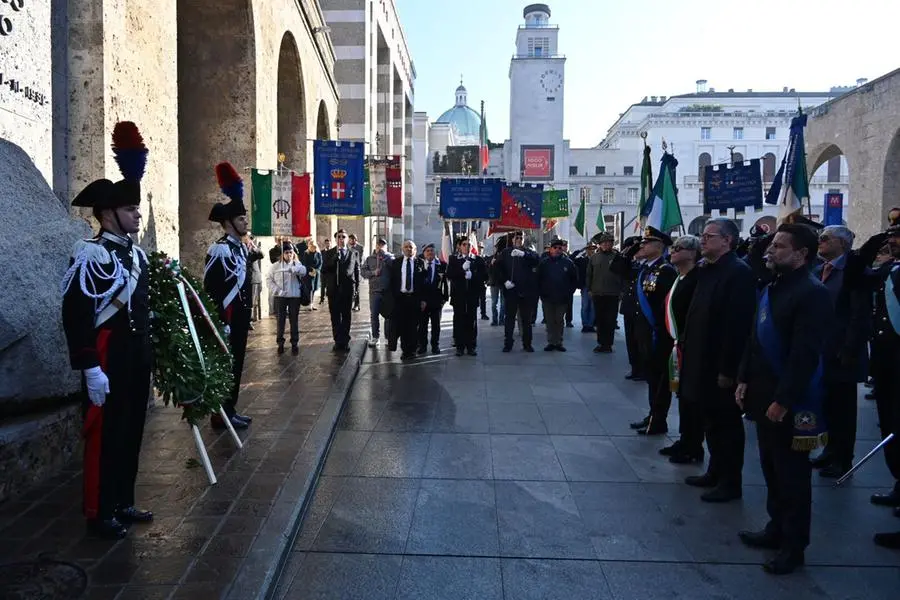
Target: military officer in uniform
column 228, row 283
column 654, row 342
column 436, row 294
column 106, row 317
column 467, row 273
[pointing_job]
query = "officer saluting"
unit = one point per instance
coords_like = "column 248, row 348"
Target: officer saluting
column 228, row 283
column 106, row 317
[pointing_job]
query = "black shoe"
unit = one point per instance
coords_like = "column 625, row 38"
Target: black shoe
column 570, row 325
column 888, row 540
column 760, row 539
column 821, row 461
column 598, row 349
column 280, row 348
column 654, row 428
column 459, row 351
column 133, row 515
column 435, row 350
column 834, row 470
column 671, row 450
column 707, row 480
column 507, row 348
column 549, row 348
column 422, row 350
column 561, row 348
column 889, row 499
column 392, row 347
column 407, row 356
column 588, row 330
column 244, row 418
column 528, row 348
column 785, row 562
column 218, row 423
column 485, row 318
column 721, row 493
column 295, row 350
column 472, row 352
column 107, row 529
column 683, row 457
column 642, row 424
column 494, row 323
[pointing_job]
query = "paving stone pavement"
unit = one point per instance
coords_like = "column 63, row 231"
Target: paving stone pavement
column 516, row 476
column 203, row 538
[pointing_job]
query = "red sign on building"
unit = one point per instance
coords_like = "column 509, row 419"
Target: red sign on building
column 537, row 163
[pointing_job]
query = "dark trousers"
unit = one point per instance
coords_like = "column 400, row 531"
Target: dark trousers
column 606, row 313
column 523, row 306
column 631, row 345
column 569, row 309
column 482, row 301
column 656, row 370
column 724, row 428
column 554, row 315
column 113, row 432
column 690, row 424
column 839, row 408
column 885, row 358
column 407, row 313
column 340, row 305
column 288, row 309
column 432, row 317
column 465, row 325
column 788, row 476
column 240, row 329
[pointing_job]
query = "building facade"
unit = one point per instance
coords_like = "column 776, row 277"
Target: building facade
column 376, row 80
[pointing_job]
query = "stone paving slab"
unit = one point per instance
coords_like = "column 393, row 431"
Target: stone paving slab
column 207, row 541
column 516, row 476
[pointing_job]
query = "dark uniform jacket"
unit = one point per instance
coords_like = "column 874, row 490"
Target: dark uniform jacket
column 681, row 299
column 436, row 288
column 655, row 280
column 521, row 270
column 340, row 275
column 557, row 279
column 803, row 316
column 466, row 292
column 718, row 325
column 398, row 274
column 228, row 266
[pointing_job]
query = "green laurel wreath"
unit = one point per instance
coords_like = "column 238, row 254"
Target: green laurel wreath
column 178, row 373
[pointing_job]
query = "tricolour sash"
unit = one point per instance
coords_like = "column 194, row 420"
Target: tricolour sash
column 891, row 300
column 644, row 303
column 810, row 429
column 123, row 297
column 672, row 328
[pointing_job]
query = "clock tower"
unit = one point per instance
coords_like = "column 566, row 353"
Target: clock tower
column 537, row 83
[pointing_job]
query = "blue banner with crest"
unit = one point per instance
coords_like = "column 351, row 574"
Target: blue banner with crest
column 338, row 177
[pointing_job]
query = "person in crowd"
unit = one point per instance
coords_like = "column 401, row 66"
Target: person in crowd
column 225, row 280
column 894, row 216
column 498, row 300
column 628, row 306
column 846, row 358
column 603, row 279
column 340, row 273
column 284, row 281
column 436, row 293
column 256, row 265
column 753, row 252
column 326, row 246
column 581, row 260
column 275, row 251
column 684, row 255
column 467, row 273
column 882, row 257
column 109, row 342
column 355, row 246
column 407, row 289
column 517, row 270
column 781, row 386
column 483, row 300
column 313, row 264
column 655, row 345
column 570, row 308
column 716, row 331
column 557, row 281
column 376, row 270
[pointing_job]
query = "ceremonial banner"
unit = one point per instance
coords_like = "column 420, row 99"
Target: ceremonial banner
column 394, row 180
column 790, row 189
column 520, row 208
column 377, row 190
column 736, row 187
column 834, row 209
column 339, row 177
column 555, row 204
column 471, row 198
column 280, row 204
column 662, row 209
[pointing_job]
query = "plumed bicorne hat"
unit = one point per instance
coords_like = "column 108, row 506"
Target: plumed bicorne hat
column 130, row 154
column 232, row 186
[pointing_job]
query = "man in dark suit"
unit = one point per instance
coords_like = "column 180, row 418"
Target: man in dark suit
column 340, row 273
column 408, row 290
column 518, row 272
column 436, row 294
column 467, row 274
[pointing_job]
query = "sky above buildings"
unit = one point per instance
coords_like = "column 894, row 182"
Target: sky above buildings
column 620, row 51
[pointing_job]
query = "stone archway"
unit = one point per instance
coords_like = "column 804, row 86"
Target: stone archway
column 291, row 105
column 323, row 127
column 216, row 110
column 697, row 225
column 891, row 185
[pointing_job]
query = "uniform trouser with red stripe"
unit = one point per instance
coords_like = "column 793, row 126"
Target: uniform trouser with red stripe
column 240, row 329
column 113, row 432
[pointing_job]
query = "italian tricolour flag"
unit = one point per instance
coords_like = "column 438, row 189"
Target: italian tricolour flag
column 280, row 204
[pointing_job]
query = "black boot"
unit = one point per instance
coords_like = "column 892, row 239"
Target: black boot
column 888, row 540
column 107, row 529
column 686, row 456
column 133, row 515
column 760, row 539
column 785, row 562
column 671, row 450
column 642, row 424
column 707, row 480
column 280, row 348
column 295, row 349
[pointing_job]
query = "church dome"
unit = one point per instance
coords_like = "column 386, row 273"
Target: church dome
column 466, row 121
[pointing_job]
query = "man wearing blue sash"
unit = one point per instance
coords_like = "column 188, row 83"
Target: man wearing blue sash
column 781, row 387
column 654, row 342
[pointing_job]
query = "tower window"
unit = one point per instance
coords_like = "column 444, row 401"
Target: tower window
column 539, row 46
column 629, row 170
column 573, row 170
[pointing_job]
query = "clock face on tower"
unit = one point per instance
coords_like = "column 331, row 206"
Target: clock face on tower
column 551, row 81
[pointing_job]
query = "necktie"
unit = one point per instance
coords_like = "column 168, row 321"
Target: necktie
column 826, row 270
column 408, row 276
column 430, row 271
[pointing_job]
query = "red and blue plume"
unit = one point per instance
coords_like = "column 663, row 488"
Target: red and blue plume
column 230, row 182
column 129, row 150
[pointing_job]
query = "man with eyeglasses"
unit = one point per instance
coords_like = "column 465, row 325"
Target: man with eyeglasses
column 340, row 275
column 716, row 330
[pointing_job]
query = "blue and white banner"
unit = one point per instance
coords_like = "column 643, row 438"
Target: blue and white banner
column 834, row 209
column 338, row 177
column 474, row 199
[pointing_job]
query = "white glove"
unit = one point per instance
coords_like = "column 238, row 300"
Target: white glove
column 97, row 385
column 467, row 265
column 468, row 274
column 517, row 253
column 227, row 329
column 509, row 285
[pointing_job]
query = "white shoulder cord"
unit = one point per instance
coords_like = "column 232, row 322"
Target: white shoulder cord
column 118, row 278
